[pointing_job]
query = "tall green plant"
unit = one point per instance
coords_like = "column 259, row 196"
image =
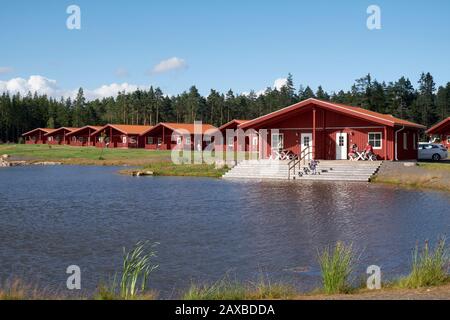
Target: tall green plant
column 429, row 267
column 336, row 265
column 137, row 266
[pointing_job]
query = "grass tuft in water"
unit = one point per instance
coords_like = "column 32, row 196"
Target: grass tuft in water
column 336, row 265
column 429, row 266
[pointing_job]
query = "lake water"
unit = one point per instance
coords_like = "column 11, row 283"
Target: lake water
column 53, row 217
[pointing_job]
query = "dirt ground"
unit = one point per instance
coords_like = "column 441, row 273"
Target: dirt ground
column 435, row 293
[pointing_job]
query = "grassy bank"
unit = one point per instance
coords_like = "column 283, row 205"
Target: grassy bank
column 423, row 175
column 159, row 162
column 428, row 279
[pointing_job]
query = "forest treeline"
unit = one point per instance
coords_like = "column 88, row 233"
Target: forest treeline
column 423, row 103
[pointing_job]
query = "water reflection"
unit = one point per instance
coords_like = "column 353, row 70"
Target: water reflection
column 53, row 217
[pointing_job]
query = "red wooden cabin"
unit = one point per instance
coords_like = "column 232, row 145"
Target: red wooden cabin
column 59, row 136
column 230, row 142
column 119, row 136
column 165, row 135
column 36, row 136
column 324, row 130
column 82, row 137
column 441, row 131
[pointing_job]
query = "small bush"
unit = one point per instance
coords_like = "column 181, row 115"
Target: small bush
column 429, row 267
column 336, row 267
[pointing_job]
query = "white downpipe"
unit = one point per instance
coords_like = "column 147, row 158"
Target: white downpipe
column 396, row 140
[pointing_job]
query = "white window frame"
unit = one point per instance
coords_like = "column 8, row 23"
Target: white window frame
column 255, row 141
column 230, row 142
column 282, row 139
column 150, row 140
column 381, row 139
column 448, row 139
column 179, row 140
column 188, row 140
column 405, row 141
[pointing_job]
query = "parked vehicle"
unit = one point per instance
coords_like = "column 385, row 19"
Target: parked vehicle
column 432, row 151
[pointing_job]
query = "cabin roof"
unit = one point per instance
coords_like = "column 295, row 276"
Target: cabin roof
column 83, row 128
column 439, row 126
column 125, row 128
column 380, row 118
column 70, row 129
column 189, row 127
column 232, row 122
column 46, row 130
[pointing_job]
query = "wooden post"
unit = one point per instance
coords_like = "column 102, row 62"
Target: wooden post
column 314, row 135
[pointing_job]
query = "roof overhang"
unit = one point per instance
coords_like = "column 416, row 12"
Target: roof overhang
column 346, row 110
column 439, row 126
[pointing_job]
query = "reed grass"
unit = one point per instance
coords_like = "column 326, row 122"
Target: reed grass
column 336, row 265
column 429, row 266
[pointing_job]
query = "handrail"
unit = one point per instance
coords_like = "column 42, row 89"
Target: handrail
column 297, row 161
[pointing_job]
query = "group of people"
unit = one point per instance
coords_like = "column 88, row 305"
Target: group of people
column 367, row 152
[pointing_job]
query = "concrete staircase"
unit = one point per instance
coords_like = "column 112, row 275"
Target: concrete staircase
column 259, row 169
column 328, row 170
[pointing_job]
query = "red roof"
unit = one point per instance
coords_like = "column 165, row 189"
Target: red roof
column 384, row 119
column 70, row 129
column 232, row 122
column 439, row 126
column 84, row 128
column 189, row 127
column 125, row 128
column 46, row 130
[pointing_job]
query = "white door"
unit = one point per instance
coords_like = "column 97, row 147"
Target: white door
column 306, row 145
column 341, row 146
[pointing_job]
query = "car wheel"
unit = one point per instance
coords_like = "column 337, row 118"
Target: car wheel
column 436, row 157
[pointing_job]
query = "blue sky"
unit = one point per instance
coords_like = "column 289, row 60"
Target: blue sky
column 241, row 45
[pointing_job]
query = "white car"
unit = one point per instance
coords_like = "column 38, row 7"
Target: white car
column 432, row 151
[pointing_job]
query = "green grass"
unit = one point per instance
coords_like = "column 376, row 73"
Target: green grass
column 336, row 265
column 429, row 267
column 226, row 289
column 192, row 170
column 445, row 166
column 157, row 161
column 51, row 153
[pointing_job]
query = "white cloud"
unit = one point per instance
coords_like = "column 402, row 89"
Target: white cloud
column 277, row 84
column 173, row 63
column 43, row 85
column 5, row 70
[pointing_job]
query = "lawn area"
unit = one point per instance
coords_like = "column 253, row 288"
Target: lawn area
column 83, row 155
column 157, row 161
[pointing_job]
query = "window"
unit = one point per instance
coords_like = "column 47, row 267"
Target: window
column 188, row 140
column 159, row 141
column 405, row 141
column 448, row 139
column 375, row 139
column 150, row 140
column 255, row 141
column 277, row 141
column 341, row 141
column 414, row 142
column 178, row 140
